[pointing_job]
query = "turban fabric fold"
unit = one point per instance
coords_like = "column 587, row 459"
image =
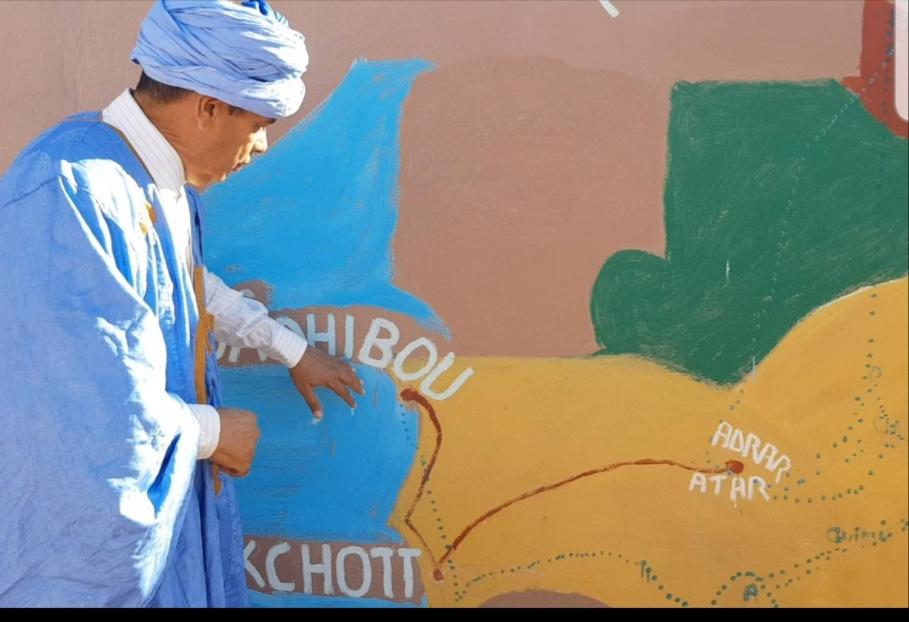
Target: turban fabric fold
column 244, row 54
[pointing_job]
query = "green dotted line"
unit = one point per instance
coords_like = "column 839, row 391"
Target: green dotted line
column 571, row 556
column 407, row 435
column 440, row 527
column 744, row 575
column 833, row 497
column 811, row 565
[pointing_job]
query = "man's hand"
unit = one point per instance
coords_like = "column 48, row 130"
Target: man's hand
column 237, row 442
column 318, row 369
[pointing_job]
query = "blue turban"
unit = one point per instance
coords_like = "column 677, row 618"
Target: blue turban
column 243, row 54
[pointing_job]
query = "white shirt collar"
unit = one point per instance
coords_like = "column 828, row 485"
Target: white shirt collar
column 159, row 157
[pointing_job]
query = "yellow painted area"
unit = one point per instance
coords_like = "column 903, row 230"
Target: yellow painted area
column 832, row 397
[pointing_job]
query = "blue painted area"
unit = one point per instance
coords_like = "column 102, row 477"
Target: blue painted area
column 314, row 216
column 336, row 480
column 333, row 480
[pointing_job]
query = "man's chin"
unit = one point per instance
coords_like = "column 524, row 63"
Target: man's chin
column 202, row 184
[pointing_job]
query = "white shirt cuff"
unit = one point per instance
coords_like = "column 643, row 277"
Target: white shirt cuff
column 244, row 322
column 210, row 425
column 286, row 346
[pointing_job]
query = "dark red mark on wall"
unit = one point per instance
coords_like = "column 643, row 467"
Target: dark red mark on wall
column 412, row 395
column 875, row 86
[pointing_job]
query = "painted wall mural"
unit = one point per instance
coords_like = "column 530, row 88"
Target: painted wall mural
column 727, row 427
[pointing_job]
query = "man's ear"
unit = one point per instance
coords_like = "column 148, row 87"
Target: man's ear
column 206, row 109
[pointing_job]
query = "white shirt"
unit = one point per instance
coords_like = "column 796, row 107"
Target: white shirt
column 238, row 321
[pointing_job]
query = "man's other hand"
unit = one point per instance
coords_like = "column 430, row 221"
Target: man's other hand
column 318, row 369
column 237, row 442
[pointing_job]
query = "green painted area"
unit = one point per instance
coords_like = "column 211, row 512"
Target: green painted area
column 779, row 198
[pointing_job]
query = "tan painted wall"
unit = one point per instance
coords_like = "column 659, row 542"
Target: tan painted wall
column 504, row 140
column 73, row 55
column 534, row 151
column 532, row 84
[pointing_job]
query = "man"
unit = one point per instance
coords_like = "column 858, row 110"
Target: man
column 115, row 484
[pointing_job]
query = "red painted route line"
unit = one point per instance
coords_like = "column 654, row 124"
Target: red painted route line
column 413, row 395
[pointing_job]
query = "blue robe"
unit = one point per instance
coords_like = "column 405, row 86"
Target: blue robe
column 102, row 499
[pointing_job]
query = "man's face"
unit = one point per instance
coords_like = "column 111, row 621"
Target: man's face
column 226, row 144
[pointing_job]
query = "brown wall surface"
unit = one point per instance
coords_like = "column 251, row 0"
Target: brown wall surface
column 509, row 147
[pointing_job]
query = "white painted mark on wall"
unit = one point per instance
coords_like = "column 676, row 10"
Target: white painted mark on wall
column 901, row 50
column 740, row 487
column 762, row 453
column 610, row 8
column 379, row 350
column 280, row 566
